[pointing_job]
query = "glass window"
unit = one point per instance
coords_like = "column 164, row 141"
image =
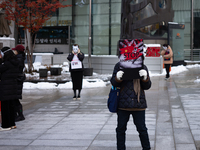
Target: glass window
column 197, row 30
column 105, row 32
column 58, row 33
column 162, row 4
column 136, row 1
column 182, row 14
column 155, row 30
column 43, row 33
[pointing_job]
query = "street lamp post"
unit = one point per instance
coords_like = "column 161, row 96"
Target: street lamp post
column 90, row 38
column 192, row 29
column 89, row 71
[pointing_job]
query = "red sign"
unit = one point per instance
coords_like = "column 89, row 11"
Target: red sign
column 129, row 54
column 153, row 52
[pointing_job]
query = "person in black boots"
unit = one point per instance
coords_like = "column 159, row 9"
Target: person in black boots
column 76, row 68
column 167, row 55
column 19, row 51
column 132, row 102
column 9, row 70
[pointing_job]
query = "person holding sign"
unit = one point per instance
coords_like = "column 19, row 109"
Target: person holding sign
column 76, row 68
column 132, row 77
column 167, row 55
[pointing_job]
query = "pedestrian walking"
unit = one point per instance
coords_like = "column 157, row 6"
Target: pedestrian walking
column 19, row 51
column 132, row 101
column 76, row 69
column 167, row 55
column 9, row 70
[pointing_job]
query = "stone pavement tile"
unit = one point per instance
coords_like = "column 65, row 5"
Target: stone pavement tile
column 164, row 129
column 73, row 120
column 111, row 137
column 164, row 143
column 82, row 122
column 21, row 136
column 180, row 122
column 177, row 111
column 8, row 147
column 34, row 126
column 183, row 135
column 67, row 127
column 70, row 143
column 17, row 142
column 196, row 137
column 163, row 115
column 185, row 147
column 76, row 131
column 90, row 116
column 104, row 143
column 30, row 130
column 54, row 148
column 195, row 126
column 104, row 148
column 112, row 143
column 64, row 136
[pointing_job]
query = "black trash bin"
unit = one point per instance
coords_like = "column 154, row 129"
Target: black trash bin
column 43, row 73
column 55, row 71
column 88, row 72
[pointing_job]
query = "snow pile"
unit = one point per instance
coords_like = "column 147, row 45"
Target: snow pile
column 87, row 83
column 91, row 83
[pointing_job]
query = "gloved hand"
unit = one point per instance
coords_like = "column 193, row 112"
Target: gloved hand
column 119, row 75
column 143, row 73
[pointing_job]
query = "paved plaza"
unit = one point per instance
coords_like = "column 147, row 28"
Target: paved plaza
column 56, row 122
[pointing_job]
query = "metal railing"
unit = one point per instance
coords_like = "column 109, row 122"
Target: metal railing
column 195, row 54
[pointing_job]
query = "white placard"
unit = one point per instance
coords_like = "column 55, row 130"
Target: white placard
column 76, row 63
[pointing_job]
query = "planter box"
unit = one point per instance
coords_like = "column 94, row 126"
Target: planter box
column 55, row 71
column 88, row 72
column 43, row 73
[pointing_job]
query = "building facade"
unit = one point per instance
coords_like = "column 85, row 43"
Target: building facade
column 111, row 18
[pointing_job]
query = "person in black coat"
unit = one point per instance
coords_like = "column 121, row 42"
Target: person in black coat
column 19, row 51
column 76, row 68
column 9, row 70
column 132, row 101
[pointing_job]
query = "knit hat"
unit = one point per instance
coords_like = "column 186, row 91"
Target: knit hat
column 19, row 48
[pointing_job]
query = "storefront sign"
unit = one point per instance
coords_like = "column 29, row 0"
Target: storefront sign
column 59, row 23
column 51, row 41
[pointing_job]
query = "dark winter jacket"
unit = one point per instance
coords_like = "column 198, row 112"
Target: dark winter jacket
column 8, row 85
column 21, row 59
column 128, row 97
column 21, row 77
column 80, row 57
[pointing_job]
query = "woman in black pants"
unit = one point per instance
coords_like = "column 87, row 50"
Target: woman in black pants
column 132, row 102
column 9, row 70
column 76, row 68
column 167, row 55
column 19, row 51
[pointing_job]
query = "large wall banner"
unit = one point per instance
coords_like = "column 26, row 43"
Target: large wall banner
column 131, row 57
